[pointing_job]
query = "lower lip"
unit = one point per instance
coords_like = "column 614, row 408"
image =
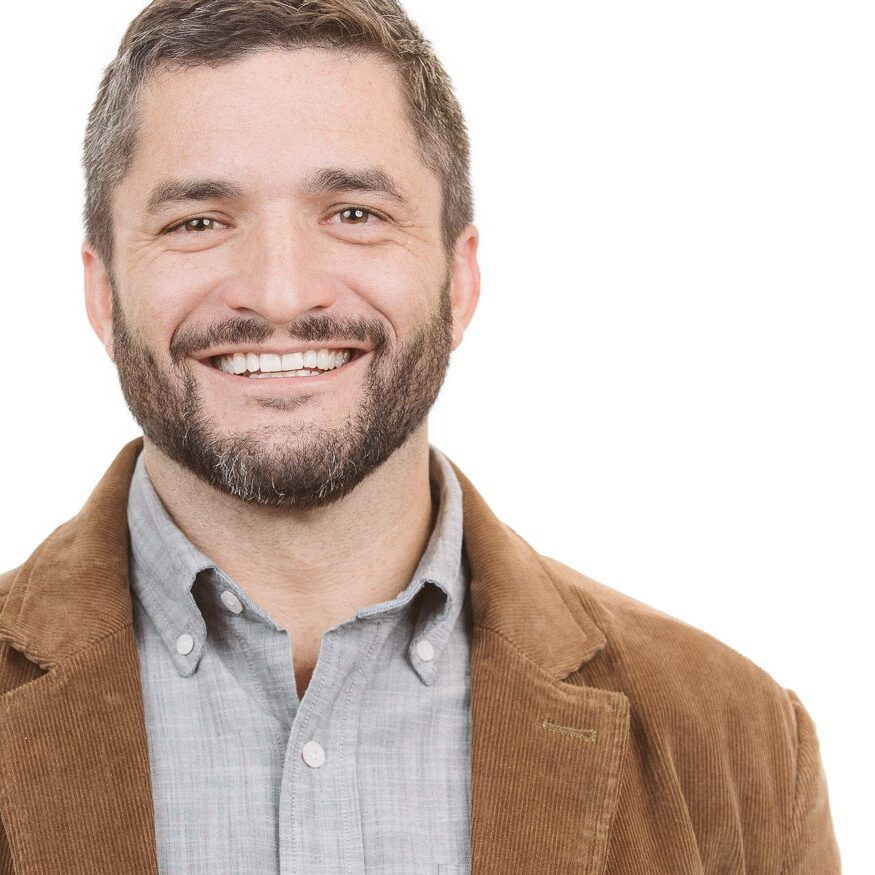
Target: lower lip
column 283, row 383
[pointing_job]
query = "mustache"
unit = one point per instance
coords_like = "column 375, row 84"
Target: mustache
column 333, row 330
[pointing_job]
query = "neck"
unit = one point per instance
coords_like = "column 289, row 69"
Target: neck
column 310, row 569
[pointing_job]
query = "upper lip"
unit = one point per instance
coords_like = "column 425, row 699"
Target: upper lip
column 218, row 352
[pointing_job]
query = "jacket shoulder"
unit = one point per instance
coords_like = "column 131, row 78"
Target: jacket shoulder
column 662, row 645
column 724, row 728
column 6, row 579
column 680, row 679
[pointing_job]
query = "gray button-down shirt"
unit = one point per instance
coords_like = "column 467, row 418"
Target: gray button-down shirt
column 368, row 772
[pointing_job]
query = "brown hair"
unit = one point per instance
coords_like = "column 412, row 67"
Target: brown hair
column 192, row 32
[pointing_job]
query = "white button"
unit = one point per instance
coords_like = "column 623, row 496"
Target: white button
column 425, row 650
column 184, row 644
column 313, row 754
column 231, row 602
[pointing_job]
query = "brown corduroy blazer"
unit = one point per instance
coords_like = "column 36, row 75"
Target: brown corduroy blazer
column 606, row 737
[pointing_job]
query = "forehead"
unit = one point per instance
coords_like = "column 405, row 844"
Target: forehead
column 276, row 115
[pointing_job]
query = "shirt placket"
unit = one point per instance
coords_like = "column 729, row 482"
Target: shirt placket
column 319, row 817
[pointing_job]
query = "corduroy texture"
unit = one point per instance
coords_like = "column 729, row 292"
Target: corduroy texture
column 606, row 736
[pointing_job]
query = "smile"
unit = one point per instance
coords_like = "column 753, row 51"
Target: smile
column 265, row 365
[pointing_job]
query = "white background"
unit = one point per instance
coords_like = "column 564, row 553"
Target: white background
column 668, row 383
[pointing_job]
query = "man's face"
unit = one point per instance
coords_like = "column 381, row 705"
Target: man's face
column 278, row 206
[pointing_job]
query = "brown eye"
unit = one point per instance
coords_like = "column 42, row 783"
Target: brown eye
column 201, row 223
column 355, row 216
column 197, row 225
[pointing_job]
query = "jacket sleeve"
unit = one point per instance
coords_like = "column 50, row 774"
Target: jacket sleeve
column 810, row 847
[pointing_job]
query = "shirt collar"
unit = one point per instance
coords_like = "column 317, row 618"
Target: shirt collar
column 165, row 566
column 442, row 575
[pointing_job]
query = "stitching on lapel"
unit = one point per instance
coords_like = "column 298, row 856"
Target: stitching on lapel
column 588, row 735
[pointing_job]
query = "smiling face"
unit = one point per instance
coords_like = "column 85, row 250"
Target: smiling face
column 284, row 305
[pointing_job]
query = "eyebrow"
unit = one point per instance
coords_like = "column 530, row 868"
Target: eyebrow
column 174, row 190
column 328, row 180
column 372, row 180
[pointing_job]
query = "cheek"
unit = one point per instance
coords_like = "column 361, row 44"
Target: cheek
column 163, row 299
column 399, row 286
column 156, row 313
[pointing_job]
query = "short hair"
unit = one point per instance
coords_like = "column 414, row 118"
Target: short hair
column 188, row 33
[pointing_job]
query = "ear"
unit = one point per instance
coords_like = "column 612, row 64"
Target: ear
column 465, row 289
column 98, row 296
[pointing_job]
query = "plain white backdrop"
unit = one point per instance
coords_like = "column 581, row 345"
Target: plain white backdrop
column 668, row 383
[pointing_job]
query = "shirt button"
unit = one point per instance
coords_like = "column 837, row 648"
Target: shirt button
column 425, row 650
column 313, row 754
column 184, row 644
column 231, row 602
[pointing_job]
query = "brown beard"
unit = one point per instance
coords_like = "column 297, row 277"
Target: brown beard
column 313, row 467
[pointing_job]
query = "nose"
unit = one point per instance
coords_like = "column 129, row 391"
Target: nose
column 282, row 272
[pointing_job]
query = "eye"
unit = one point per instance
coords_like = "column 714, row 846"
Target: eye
column 356, row 216
column 197, row 225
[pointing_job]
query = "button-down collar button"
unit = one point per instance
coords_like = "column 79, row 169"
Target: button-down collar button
column 231, row 602
column 184, row 644
column 313, row 754
column 425, row 650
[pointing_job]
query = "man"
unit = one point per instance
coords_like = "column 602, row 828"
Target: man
column 285, row 633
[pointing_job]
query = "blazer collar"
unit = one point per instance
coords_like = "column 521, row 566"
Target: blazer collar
column 73, row 590
column 515, row 595
column 546, row 754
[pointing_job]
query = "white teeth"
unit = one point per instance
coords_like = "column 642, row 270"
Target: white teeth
column 292, row 363
column 270, row 362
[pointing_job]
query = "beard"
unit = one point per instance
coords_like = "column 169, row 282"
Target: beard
column 290, row 466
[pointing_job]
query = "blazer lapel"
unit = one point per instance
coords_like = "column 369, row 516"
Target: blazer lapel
column 75, row 787
column 546, row 754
